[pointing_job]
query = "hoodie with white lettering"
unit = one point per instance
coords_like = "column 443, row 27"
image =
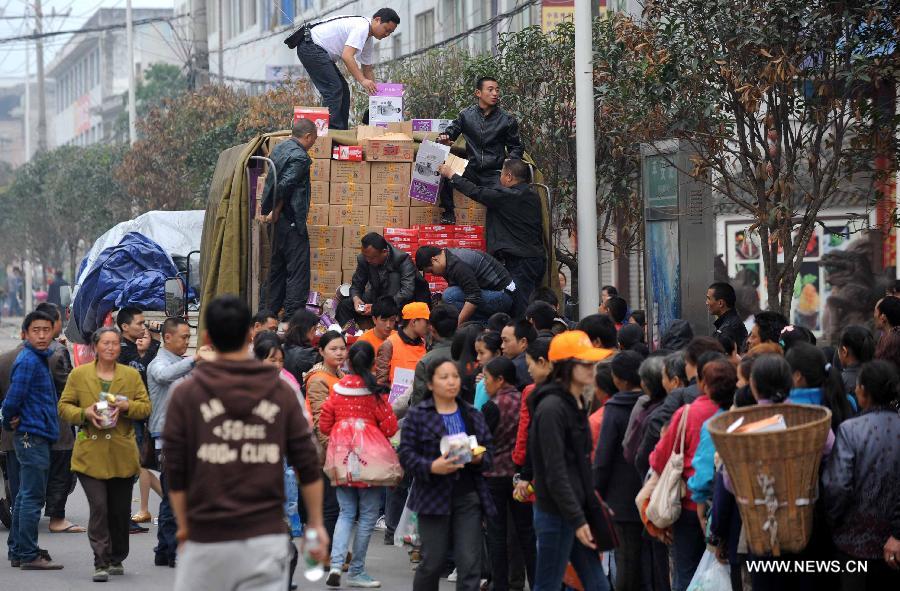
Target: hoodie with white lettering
column 228, row 428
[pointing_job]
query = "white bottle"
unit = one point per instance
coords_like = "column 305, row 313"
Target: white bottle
column 312, row 568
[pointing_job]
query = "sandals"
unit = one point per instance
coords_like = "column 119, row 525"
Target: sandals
column 72, row 529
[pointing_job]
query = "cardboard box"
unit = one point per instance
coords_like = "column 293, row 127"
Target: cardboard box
column 347, row 276
column 460, row 200
column 390, row 232
column 325, row 282
column 343, row 171
column 396, row 195
column 319, row 192
column 457, row 165
column 475, row 216
column 386, row 105
column 350, row 153
column 410, row 249
column 318, row 115
column 348, row 259
column 478, row 244
column 320, row 170
column 353, row 234
column 389, row 215
column 354, row 215
column 390, row 173
column 349, row 194
column 322, row 147
column 324, row 258
column 431, row 125
column 324, row 236
column 318, row 215
column 425, row 215
column 390, row 148
column 425, row 177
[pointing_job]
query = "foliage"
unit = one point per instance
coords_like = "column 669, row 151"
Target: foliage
column 785, row 105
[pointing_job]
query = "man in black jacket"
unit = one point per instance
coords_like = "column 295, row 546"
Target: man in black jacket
column 479, row 284
column 381, row 270
column 514, row 224
column 287, row 205
column 720, row 300
column 491, row 136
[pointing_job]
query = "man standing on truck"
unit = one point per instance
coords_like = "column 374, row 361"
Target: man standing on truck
column 492, row 136
column 287, row 204
column 342, row 38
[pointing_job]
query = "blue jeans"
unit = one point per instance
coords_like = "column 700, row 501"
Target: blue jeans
column 687, row 549
column 491, row 302
column 33, row 455
column 167, row 545
column 368, row 502
column 556, row 547
column 328, row 81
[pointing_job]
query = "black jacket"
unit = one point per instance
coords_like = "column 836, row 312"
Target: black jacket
column 397, row 277
column 729, row 324
column 617, row 481
column 473, row 271
column 489, row 139
column 662, row 415
column 292, row 164
column 514, row 223
column 559, row 449
column 298, row 360
column 129, row 356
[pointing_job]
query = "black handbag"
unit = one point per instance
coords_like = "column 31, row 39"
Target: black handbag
column 599, row 518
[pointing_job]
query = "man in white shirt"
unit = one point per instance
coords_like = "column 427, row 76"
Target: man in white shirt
column 348, row 39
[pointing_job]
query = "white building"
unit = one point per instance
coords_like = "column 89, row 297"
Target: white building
column 91, row 73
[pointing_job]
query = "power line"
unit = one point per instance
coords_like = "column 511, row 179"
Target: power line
column 137, row 22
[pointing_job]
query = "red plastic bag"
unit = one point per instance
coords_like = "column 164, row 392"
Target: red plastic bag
column 359, row 453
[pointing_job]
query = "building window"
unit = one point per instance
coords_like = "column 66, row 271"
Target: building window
column 425, row 29
column 212, row 12
column 397, row 45
column 248, row 14
column 453, row 17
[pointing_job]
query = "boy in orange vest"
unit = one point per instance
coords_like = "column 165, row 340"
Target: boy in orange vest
column 404, row 348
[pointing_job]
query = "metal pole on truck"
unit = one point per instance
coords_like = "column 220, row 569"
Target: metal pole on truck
column 586, row 198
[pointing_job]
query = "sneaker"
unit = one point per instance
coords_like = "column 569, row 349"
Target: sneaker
column 15, row 563
column 363, row 581
column 101, row 575
column 448, row 218
column 381, row 524
column 116, row 569
column 40, row 563
column 134, row 528
column 334, row 578
column 160, row 560
column 452, row 576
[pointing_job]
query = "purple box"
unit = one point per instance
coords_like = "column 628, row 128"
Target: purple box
column 422, row 191
column 388, row 89
column 431, row 125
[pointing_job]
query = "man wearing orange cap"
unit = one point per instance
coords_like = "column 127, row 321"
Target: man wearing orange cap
column 404, row 348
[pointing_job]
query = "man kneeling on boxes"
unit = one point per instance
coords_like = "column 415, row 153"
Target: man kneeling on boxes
column 479, row 285
column 381, row 270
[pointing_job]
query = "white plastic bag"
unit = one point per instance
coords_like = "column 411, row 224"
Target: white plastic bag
column 407, row 532
column 711, row 575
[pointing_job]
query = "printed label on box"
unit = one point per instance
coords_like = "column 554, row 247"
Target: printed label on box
column 324, row 236
column 425, row 177
column 349, row 194
column 318, row 115
column 354, row 215
column 317, row 216
column 319, row 192
column 350, row 153
column 322, row 147
column 349, row 172
column 353, row 234
column 431, row 125
column 320, row 170
column 396, row 195
column 391, row 173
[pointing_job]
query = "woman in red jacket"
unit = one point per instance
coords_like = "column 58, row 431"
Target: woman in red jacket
column 717, row 387
column 358, row 421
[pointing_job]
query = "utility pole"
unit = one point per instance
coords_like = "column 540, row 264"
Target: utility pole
column 200, row 33
column 129, row 40
column 221, row 46
column 586, row 199
column 42, row 98
column 27, row 114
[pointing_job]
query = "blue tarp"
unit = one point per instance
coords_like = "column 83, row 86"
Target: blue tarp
column 132, row 273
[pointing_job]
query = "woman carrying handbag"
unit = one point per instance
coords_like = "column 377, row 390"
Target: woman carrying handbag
column 360, row 461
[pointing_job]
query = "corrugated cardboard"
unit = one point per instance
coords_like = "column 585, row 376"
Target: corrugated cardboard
column 318, row 215
column 354, row 215
column 319, row 192
column 349, row 194
column 389, row 148
column 347, row 276
column 457, row 165
column 343, row 171
column 396, row 195
column 324, row 259
column 425, row 215
column 320, row 170
column 322, row 147
column 318, row 115
column 474, row 215
column 348, row 259
column 389, row 216
column 325, row 236
column 325, row 282
column 353, row 234
column 397, row 173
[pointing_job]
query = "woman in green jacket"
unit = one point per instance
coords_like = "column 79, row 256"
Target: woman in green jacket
column 105, row 457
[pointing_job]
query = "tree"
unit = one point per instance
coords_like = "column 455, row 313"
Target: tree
column 788, row 105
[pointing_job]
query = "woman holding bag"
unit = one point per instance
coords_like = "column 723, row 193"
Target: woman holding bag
column 104, row 399
column 360, row 461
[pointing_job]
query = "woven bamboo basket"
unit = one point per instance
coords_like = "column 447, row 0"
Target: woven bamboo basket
column 776, row 474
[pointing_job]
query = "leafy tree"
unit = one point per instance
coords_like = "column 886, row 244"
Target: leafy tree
column 789, row 106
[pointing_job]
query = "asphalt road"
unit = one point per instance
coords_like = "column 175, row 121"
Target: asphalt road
column 390, row 565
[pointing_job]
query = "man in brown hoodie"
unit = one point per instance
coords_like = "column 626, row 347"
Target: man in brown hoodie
column 228, row 429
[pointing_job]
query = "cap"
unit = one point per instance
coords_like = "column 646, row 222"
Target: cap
column 575, row 344
column 416, row 311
